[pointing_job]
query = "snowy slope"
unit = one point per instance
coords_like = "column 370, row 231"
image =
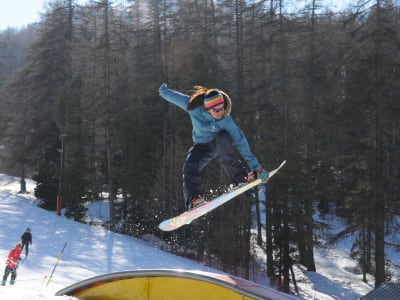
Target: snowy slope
column 90, row 251
column 93, row 251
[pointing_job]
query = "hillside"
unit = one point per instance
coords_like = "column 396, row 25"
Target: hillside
column 93, row 251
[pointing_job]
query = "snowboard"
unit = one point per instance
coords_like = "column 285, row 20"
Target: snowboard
column 187, row 217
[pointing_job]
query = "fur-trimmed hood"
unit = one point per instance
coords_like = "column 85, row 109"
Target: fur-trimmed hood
column 228, row 103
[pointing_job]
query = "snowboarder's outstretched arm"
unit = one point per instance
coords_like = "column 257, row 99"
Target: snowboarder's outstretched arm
column 174, row 97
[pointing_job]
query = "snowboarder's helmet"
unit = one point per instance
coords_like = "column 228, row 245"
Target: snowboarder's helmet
column 28, row 229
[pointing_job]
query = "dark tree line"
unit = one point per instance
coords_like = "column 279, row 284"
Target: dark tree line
column 318, row 88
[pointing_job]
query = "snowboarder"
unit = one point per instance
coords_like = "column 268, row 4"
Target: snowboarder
column 12, row 264
column 26, row 239
column 214, row 134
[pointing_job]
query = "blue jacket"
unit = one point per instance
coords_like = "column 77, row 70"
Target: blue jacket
column 205, row 127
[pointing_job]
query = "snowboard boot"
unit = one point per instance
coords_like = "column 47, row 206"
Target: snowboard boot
column 3, row 283
column 12, row 282
column 197, row 201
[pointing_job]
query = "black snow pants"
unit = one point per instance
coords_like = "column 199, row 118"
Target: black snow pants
column 26, row 245
column 9, row 270
column 200, row 155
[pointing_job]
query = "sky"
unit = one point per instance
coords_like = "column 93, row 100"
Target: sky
column 18, row 13
column 92, row 251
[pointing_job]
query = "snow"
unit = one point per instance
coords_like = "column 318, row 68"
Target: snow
column 93, row 251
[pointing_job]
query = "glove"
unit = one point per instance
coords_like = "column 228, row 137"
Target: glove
column 263, row 174
column 162, row 87
column 251, row 176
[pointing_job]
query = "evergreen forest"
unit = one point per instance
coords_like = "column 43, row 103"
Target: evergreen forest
column 81, row 114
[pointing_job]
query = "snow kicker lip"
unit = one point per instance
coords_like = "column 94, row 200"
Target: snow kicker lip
column 171, row 284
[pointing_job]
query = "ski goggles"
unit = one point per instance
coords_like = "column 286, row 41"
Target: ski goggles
column 217, row 110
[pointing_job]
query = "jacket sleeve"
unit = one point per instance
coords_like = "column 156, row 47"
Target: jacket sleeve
column 174, row 97
column 242, row 145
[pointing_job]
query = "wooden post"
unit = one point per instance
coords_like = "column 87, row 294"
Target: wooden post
column 59, row 203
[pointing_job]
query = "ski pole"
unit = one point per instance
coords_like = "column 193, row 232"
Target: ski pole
column 55, row 266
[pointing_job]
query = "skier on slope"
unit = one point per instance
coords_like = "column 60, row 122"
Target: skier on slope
column 12, row 264
column 26, row 239
column 214, row 134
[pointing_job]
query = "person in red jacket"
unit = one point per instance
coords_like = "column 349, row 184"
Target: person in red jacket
column 12, row 264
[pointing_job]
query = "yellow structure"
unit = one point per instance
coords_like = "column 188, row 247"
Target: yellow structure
column 170, row 285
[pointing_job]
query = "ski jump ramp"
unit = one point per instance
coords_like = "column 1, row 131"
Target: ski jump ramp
column 170, row 285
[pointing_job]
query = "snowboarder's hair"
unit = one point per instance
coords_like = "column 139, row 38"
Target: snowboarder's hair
column 201, row 92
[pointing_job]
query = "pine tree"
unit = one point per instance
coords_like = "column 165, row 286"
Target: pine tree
column 69, row 120
column 47, row 174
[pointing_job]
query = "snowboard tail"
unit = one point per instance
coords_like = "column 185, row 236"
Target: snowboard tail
column 188, row 216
